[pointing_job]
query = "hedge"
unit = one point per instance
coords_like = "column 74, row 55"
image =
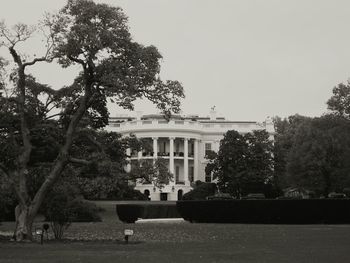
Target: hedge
column 200, row 192
column 267, row 211
column 129, row 213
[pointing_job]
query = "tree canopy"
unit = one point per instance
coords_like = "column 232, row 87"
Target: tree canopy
column 40, row 124
column 339, row 103
column 244, row 163
column 149, row 172
column 319, row 157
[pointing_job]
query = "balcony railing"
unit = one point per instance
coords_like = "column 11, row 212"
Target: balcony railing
column 161, row 154
column 185, row 125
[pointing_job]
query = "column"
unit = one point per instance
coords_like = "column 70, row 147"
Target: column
column 195, row 160
column 171, row 158
column 139, row 155
column 186, row 179
column 128, row 166
column 155, row 147
column 217, row 145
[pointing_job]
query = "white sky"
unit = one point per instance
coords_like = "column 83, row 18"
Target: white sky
column 252, row 59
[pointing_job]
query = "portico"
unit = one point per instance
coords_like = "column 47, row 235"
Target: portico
column 182, row 153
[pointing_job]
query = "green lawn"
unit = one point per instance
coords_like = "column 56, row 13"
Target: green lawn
column 185, row 242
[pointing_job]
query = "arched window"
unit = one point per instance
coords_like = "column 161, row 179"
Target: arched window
column 147, row 193
column 179, row 194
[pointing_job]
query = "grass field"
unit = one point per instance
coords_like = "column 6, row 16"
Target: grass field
column 185, row 242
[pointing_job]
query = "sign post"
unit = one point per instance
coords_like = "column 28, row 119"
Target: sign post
column 127, row 233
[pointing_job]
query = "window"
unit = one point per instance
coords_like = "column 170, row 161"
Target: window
column 163, row 196
column 177, row 147
column 163, row 147
column 191, row 174
column 208, row 178
column 191, row 149
column 207, row 148
column 177, row 173
column 180, row 194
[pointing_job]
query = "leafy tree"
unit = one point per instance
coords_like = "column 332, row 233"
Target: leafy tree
column 229, row 166
column 2, row 75
column 339, row 103
column 318, row 158
column 283, row 141
column 259, row 161
column 149, row 172
column 243, row 164
column 95, row 37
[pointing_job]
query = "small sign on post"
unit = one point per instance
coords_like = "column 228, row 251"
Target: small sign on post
column 127, row 233
column 39, row 232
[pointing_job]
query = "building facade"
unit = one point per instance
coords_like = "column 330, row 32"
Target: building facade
column 183, row 141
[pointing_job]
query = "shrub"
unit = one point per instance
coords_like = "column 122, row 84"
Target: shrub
column 267, row 211
column 8, row 202
column 129, row 213
column 132, row 194
column 56, row 210
column 64, row 206
column 107, row 188
column 200, row 192
column 83, row 211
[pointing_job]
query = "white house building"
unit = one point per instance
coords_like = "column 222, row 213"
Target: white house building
column 183, row 140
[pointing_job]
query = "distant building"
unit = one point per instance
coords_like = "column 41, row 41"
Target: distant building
column 184, row 141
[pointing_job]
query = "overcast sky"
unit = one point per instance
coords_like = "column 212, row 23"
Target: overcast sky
column 251, row 59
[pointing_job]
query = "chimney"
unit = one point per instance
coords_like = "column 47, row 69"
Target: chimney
column 138, row 115
column 269, row 125
column 213, row 114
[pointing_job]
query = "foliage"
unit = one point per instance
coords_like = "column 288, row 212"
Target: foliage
column 107, row 188
column 339, row 103
column 200, row 192
column 244, row 163
column 147, row 172
column 2, row 75
column 8, row 201
column 63, row 206
column 84, row 211
column 319, row 157
column 259, row 161
column 283, row 141
column 129, row 213
column 129, row 193
column 267, row 211
column 96, row 38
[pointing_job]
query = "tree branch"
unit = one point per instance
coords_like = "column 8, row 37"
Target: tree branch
column 63, row 157
column 96, row 143
column 34, row 61
column 79, row 161
column 54, row 115
column 15, row 56
column 80, row 61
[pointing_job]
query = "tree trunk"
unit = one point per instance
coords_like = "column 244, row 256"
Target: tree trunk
column 24, row 223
